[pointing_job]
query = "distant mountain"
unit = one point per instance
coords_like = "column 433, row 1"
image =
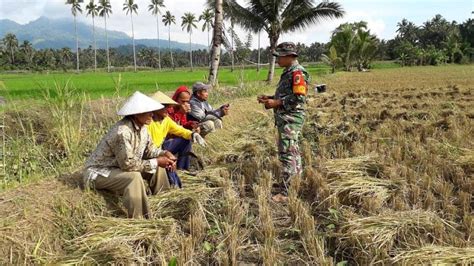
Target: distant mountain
column 58, row 33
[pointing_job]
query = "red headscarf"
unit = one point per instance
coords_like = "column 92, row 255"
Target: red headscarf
column 174, row 112
column 178, row 91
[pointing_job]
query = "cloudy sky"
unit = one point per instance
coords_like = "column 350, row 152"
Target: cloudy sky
column 381, row 15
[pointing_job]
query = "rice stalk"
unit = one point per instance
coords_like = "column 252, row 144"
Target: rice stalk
column 127, row 240
column 269, row 249
column 179, row 203
column 359, row 187
column 352, row 167
column 435, row 255
column 313, row 242
column 401, row 229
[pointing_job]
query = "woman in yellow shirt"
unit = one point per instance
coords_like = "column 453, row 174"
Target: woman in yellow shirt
column 181, row 142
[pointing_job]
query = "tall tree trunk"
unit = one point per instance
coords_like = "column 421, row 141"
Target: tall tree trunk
column 107, row 43
column 271, row 59
column 216, row 43
column 77, row 45
column 208, row 49
column 169, row 46
column 158, row 41
column 12, row 55
column 258, row 53
column 190, row 52
column 133, row 44
column 95, row 44
column 232, row 45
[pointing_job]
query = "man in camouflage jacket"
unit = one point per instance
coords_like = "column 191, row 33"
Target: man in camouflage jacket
column 288, row 105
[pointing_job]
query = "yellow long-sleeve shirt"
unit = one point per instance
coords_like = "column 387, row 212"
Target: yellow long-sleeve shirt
column 159, row 130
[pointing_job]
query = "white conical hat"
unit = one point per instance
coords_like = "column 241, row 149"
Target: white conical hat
column 139, row 103
column 162, row 98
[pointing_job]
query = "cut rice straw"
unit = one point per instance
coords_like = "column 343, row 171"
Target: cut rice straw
column 436, row 255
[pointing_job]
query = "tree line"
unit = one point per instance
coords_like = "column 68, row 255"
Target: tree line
column 351, row 47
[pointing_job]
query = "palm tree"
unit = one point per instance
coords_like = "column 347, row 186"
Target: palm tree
column 217, row 39
column 280, row 16
column 169, row 19
column 344, row 39
column 105, row 9
column 207, row 16
column 131, row 7
column 11, row 45
column 332, row 59
column 28, row 52
column 189, row 22
column 76, row 7
column 65, row 56
column 92, row 10
column 154, row 7
column 148, row 57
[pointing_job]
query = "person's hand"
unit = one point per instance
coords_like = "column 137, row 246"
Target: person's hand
column 272, row 104
column 262, row 98
column 225, row 110
column 196, row 129
column 199, row 140
column 167, row 163
column 170, row 155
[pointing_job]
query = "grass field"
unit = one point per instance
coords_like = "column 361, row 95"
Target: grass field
column 388, row 180
column 32, row 86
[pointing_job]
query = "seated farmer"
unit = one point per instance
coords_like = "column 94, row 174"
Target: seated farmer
column 180, row 144
column 179, row 112
column 201, row 111
column 126, row 155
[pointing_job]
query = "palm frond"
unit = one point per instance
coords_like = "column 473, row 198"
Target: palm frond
column 245, row 17
column 303, row 16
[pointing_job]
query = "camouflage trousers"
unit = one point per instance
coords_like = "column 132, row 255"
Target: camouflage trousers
column 289, row 154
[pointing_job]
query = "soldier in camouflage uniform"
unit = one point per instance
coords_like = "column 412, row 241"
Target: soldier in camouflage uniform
column 288, row 105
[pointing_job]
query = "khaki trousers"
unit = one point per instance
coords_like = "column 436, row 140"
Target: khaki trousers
column 210, row 126
column 132, row 187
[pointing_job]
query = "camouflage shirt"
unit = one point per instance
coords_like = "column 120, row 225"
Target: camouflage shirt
column 292, row 110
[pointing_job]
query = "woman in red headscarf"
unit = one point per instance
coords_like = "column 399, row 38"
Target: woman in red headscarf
column 179, row 112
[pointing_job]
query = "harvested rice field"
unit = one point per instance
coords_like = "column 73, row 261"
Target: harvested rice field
column 388, row 180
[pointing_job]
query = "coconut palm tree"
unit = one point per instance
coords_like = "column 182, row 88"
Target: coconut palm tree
column 344, row 39
column 11, row 44
column 217, row 39
column 65, row 56
column 332, row 59
column 155, row 8
column 169, row 19
column 105, row 9
column 280, row 16
column 28, row 51
column 92, row 10
column 207, row 16
column 189, row 22
column 75, row 8
column 130, row 6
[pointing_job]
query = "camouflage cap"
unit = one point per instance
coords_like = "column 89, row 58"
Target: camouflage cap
column 285, row 49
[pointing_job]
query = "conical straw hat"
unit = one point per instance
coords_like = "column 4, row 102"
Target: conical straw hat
column 139, row 103
column 162, row 98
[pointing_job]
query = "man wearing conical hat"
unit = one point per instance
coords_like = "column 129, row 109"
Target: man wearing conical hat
column 126, row 155
column 165, row 132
